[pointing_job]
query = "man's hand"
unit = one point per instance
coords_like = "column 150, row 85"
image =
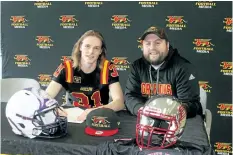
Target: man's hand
column 83, row 116
column 62, row 112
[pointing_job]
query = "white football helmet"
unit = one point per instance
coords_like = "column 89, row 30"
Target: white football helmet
column 32, row 113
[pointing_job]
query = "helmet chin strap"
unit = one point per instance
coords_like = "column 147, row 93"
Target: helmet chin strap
column 49, row 130
column 158, row 140
column 155, row 141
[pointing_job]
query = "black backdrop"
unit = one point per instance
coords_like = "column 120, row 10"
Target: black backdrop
column 36, row 36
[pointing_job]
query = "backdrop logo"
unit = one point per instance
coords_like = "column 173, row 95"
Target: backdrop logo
column 68, row 21
column 203, row 45
column 63, row 99
column 147, row 4
column 176, row 22
column 22, row 60
column 42, row 4
column 63, row 58
column 205, row 86
column 44, row 42
column 120, row 21
column 226, row 68
column 121, row 63
column 93, row 4
column 225, row 109
column 139, row 42
column 19, row 21
column 44, row 79
column 228, row 24
column 205, row 4
column 223, row 148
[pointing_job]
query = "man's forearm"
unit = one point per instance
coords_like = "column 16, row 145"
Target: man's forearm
column 137, row 107
column 192, row 108
column 134, row 103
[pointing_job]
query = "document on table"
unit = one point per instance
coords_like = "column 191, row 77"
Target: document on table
column 73, row 113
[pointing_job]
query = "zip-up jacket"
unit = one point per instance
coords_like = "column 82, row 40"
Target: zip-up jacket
column 175, row 77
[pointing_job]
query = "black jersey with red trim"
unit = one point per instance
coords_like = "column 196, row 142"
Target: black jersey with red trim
column 90, row 90
column 129, row 147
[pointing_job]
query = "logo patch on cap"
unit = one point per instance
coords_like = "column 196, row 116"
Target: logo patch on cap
column 99, row 132
column 98, row 121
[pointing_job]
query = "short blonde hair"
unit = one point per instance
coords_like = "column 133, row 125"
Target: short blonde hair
column 76, row 53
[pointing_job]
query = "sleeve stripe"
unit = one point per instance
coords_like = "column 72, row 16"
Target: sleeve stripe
column 69, row 71
column 104, row 73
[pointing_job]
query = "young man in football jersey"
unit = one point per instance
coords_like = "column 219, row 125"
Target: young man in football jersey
column 88, row 77
column 161, row 70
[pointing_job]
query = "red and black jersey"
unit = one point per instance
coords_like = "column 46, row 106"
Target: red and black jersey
column 90, row 90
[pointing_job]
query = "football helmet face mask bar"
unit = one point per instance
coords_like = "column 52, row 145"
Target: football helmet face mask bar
column 32, row 113
column 160, row 123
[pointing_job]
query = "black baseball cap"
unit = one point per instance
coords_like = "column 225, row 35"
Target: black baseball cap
column 102, row 122
column 160, row 32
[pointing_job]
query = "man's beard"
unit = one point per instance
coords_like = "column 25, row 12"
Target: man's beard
column 158, row 61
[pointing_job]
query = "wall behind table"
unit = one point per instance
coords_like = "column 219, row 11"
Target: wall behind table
column 36, row 36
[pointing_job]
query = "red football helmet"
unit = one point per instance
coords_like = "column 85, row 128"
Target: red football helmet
column 160, row 123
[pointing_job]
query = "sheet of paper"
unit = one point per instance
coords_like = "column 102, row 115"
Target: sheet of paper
column 73, row 113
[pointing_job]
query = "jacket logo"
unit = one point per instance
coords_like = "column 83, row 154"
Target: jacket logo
column 150, row 89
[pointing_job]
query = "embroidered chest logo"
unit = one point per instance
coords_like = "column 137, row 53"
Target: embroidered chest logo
column 77, row 79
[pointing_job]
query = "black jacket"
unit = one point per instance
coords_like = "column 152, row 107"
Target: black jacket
column 175, row 77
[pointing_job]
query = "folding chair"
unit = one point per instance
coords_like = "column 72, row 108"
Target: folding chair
column 206, row 112
column 10, row 86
